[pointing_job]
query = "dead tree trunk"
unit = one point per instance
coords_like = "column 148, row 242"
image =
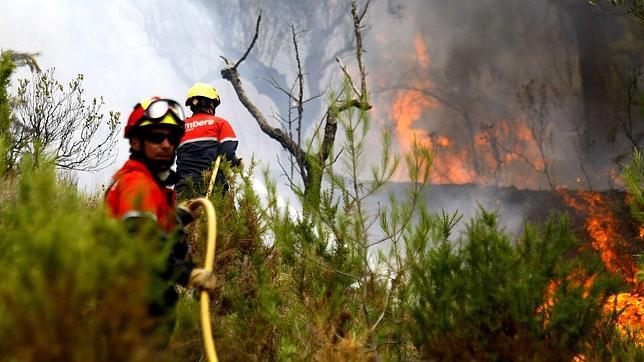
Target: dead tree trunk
column 310, row 164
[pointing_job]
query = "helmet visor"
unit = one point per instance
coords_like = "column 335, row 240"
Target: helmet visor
column 160, row 108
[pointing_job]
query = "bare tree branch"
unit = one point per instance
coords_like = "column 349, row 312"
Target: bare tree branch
column 250, row 47
column 300, row 83
column 310, row 167
column 357, row 20
column 322, row 265
column 346, row 74
column 28, row 59
column 60, row 122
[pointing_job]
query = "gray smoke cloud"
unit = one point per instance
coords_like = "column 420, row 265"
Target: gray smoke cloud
column 466, row 61
column 125, row 58
column 480, row 56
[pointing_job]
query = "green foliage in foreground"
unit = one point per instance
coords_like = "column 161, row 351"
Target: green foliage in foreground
column 74, row 285
column 346, row 280
column 634, row 179
column 483, row 298
column 6, row 69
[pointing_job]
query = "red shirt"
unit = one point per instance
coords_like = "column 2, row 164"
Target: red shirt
column 136, row 193
column 206, row 127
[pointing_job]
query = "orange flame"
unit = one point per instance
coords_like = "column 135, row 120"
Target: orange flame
column 452, row 168
column 576, row 279
column 408, row 107
column 444, row 141
column 602, row 227
column 630, row 317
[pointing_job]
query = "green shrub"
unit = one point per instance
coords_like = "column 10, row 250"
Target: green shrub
column 75, row 285
column 6, row 69
column 485, row 297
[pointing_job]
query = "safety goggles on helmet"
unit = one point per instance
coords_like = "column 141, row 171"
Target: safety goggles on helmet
column 155, row 111
column 158, row 109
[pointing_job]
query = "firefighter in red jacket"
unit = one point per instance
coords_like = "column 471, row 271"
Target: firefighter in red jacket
column 206, row 137
column 141, row 193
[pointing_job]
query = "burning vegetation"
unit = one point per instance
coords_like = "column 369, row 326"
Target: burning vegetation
column 548, row 137
column 343, row 280
column 616, row 243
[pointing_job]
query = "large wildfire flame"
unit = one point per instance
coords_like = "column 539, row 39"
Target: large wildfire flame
column 453, row 162
column 603, row 228
column 507, row 153
column 408, row 107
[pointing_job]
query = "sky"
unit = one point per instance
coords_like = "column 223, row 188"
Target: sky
column 108, row 43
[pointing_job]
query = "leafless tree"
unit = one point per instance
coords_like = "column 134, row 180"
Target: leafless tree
column 228, row 24
column 309, row 163
column 582, row 144
column 58, row 121
column 491, row 135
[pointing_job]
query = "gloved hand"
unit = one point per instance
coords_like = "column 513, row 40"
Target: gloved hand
column 203, row 280
column 188, row 211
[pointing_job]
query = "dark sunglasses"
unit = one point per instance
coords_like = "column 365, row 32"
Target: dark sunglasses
column 158, row 138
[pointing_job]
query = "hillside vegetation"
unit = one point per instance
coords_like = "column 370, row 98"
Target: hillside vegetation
column 317, row 283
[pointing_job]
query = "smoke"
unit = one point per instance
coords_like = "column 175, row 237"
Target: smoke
column 445, row 72
column 127, row 52
column 502, row 89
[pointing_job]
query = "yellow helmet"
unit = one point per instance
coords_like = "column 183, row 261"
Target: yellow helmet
column 202, row 90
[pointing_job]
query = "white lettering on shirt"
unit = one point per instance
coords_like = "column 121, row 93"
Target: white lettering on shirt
column 192, row 125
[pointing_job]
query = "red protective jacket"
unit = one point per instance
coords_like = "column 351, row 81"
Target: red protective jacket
column 206, row 137
column 135, row 192
column 206, row 127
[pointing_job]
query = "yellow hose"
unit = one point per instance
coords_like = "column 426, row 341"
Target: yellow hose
column 211, row 184
column 204, row 300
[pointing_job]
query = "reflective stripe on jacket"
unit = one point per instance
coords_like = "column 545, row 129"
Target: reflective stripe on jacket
column 206, row 127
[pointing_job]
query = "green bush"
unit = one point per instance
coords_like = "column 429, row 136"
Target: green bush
column 485, row 297
column 242, row 309
column 75, row 284
column 6, row 69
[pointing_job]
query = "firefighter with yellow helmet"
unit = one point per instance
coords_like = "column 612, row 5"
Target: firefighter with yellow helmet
column 206, row 137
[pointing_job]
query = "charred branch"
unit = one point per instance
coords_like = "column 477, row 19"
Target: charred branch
column 259, row 19
column 300, row 88
column 232, row 75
